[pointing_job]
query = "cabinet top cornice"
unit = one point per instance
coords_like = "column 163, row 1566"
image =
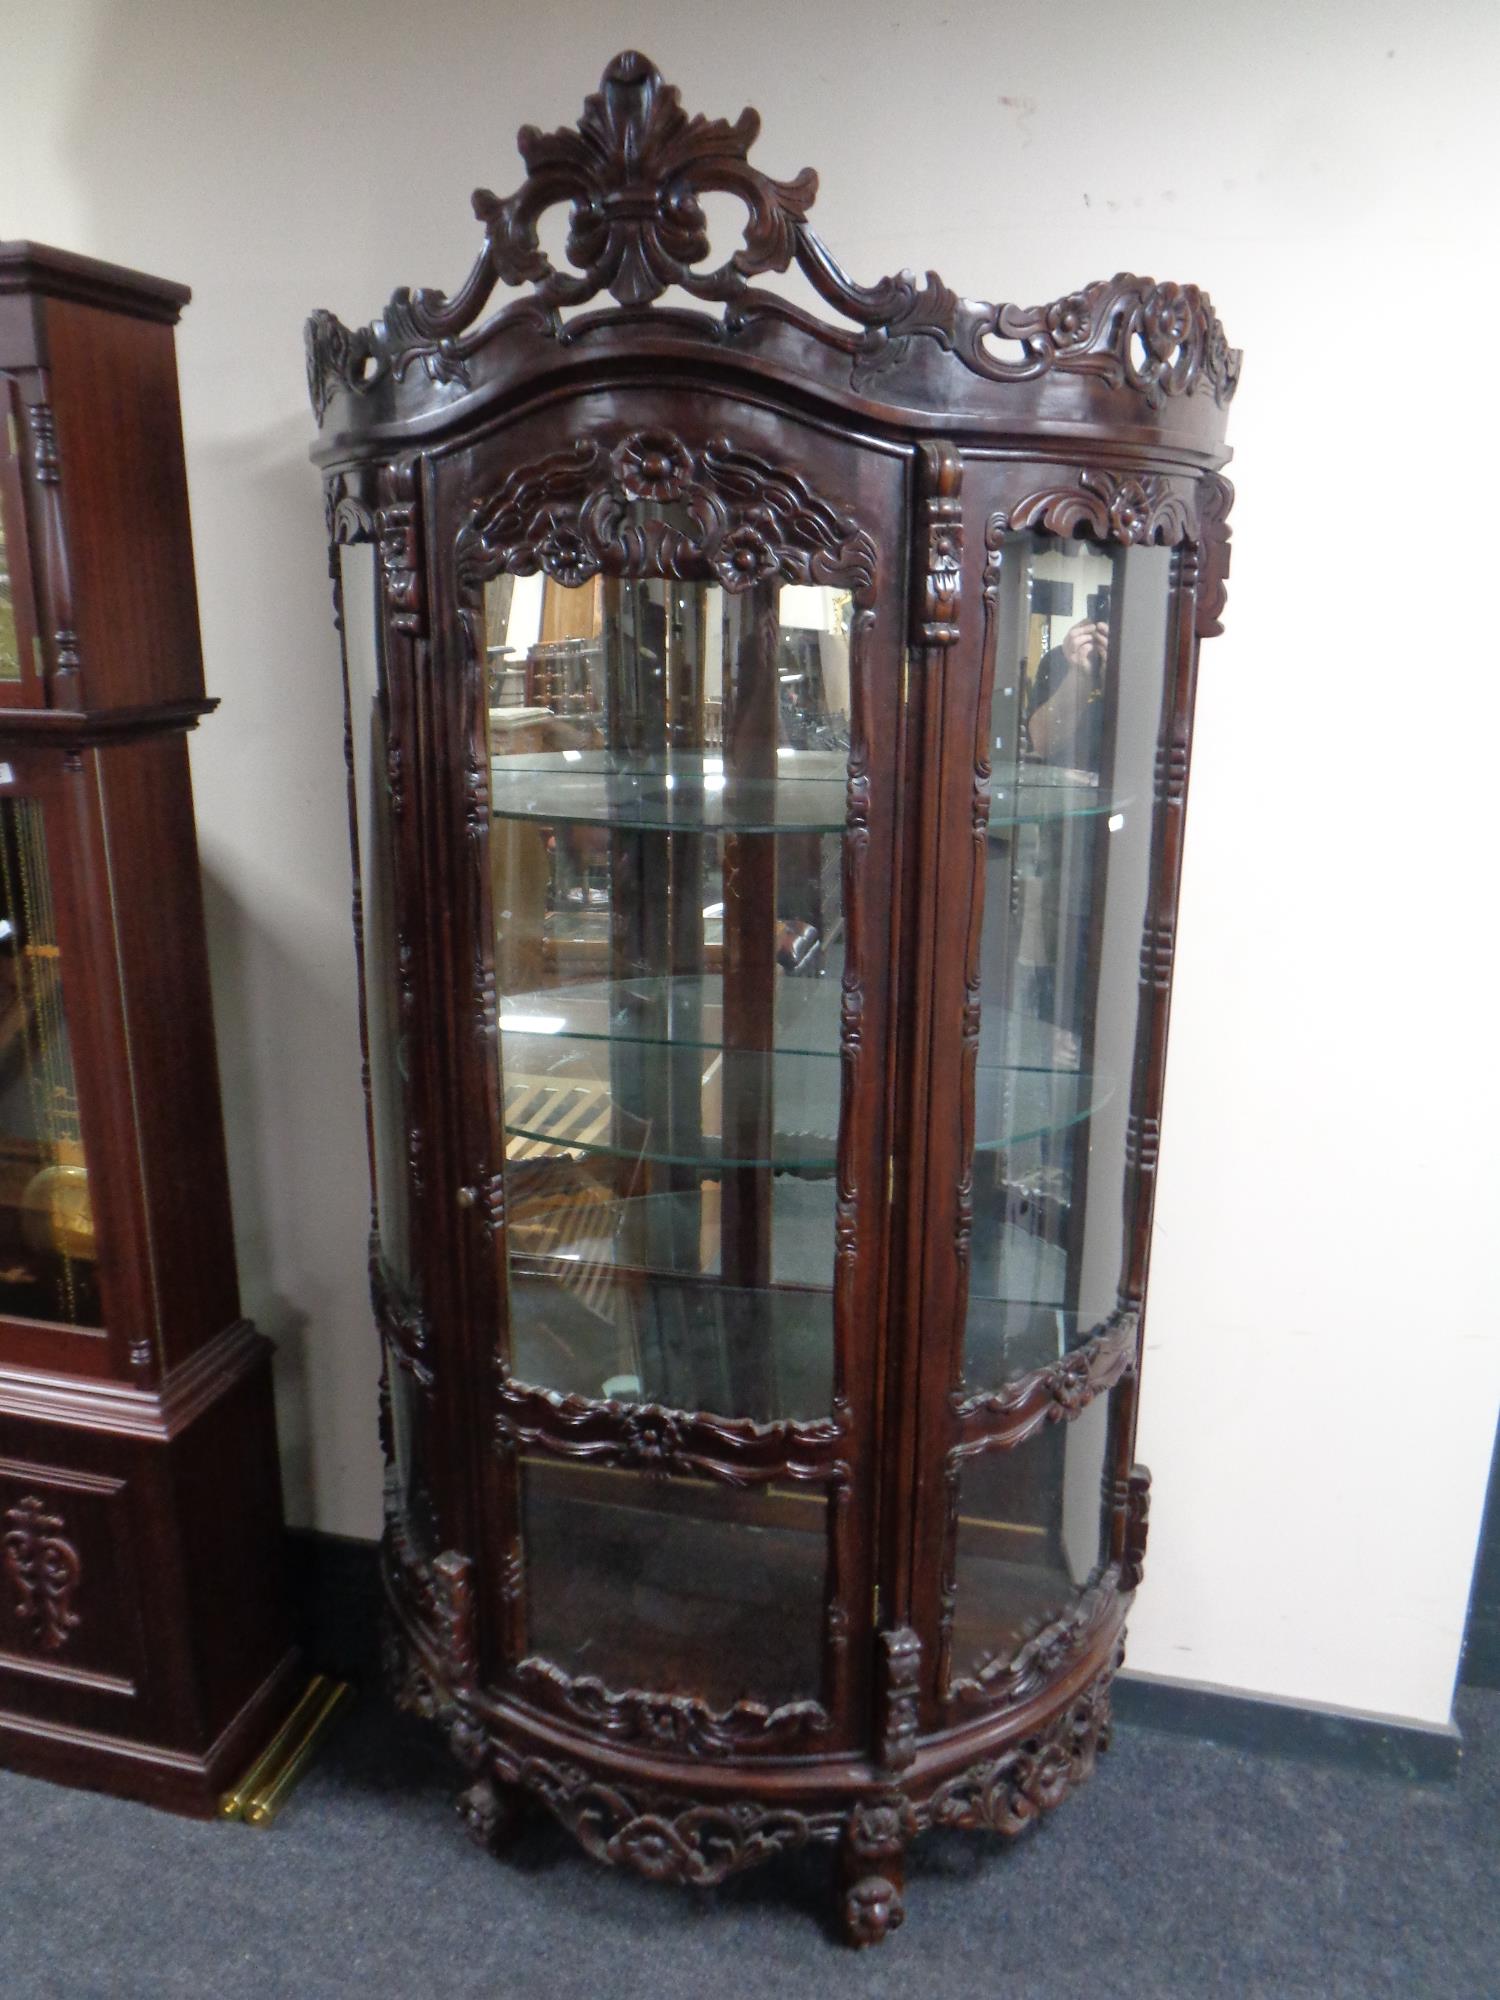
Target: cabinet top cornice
column 1122, row 353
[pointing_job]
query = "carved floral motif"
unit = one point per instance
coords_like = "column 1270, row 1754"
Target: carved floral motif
column 733, row 516
column 1004, row 1418
column 1009, row 1793
column 43, row 1569
column 666, row 1442
column 676, row 1724
column 1112, row 506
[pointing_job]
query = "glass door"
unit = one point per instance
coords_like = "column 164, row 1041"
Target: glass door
column 676, row 686
column 1077, row 649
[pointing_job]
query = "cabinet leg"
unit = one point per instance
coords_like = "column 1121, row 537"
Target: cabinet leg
column 491, row 1812
column 872, row 1874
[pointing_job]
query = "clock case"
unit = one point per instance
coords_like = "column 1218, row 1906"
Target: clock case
column 145, row 1644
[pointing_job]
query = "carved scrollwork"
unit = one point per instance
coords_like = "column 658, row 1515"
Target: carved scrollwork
column 1214, row 531
column 940, row 547
column 402, row 1323
column 726, row 515
column 43, row 1569
column 665, row 1838
column 898, row 1679
column 1004, row 1683
column 1010, row 1793
column 633, row 172
column 1004, row 1418
column 676, row 1724
column 1111, row 506
column 399, row 547
column 453, row 1604
column 1134, row 1501
column 650, row 1438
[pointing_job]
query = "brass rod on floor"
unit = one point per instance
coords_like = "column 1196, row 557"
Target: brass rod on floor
column 274, row 1788
column 232, row 1804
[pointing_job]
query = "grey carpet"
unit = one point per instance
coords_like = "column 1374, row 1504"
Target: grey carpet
column 1180, row 1870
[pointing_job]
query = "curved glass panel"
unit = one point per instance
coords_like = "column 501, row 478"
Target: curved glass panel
column 1033, row 1534
column 10, row 643
column 683, row 1586
column 668, row 774
column 48, row 1258
column 1080, row 634
column 385, row 1033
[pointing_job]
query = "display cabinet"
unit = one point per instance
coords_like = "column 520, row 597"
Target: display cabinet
column 768, row 743
column 144, row 1637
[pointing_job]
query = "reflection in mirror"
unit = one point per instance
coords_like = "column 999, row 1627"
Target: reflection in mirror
column 48, row 1267
column 1080, row 643
column 668, row 766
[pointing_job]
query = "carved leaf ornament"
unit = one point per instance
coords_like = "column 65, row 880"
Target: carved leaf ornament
column 633, row 172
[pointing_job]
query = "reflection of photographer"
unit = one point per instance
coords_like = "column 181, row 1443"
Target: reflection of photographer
column 1065, row 700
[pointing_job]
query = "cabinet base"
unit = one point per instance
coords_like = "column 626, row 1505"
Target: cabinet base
column 174, row 1780
column 700, row 1824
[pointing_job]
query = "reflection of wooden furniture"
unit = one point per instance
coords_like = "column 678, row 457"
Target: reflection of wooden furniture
column 144, row 1638
column 845, row 1553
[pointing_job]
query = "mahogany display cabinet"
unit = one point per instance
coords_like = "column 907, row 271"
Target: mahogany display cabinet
column 768, row 748
column 144, row 1634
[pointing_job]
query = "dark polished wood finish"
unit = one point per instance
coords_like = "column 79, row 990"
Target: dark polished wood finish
column 145, row 1643
column 892, row 452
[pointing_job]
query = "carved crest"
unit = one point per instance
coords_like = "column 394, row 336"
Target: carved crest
column 633, row 173
column 720, row 512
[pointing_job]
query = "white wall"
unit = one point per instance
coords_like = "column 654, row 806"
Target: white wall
column 1323, row 1354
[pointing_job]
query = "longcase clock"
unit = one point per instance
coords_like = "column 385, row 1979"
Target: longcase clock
column 144, row 1637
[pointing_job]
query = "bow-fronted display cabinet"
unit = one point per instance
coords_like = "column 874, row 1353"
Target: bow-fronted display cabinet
column 768, row 746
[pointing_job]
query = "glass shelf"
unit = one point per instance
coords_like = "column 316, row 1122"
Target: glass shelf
column 569, row 1052
column 693, row 792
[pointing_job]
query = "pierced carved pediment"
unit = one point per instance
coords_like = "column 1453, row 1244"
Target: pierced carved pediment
column 633, row 173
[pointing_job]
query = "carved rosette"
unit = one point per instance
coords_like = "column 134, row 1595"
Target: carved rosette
column 43, row 1570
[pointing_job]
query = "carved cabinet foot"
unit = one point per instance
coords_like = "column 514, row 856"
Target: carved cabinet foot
column 492, row 1813
column 872, row 1871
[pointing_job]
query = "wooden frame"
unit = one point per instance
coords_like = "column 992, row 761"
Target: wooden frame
column 901, row 452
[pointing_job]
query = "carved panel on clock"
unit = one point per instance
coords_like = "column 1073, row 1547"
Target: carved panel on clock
column 66, row 1579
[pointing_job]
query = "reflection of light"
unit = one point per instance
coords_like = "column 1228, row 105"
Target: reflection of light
column 572, row 756
column 1115, row 822
column 7, row 775
column 533, row 1024
column 713, row 767
column 7, row 929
